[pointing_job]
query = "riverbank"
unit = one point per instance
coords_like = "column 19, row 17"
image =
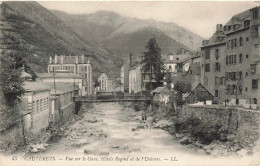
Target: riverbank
column 205, row 135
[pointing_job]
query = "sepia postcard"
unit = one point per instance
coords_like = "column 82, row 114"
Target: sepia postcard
column 171, row 83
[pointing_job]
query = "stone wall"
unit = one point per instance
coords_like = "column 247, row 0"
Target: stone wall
column 67, row 112
column 243, row 125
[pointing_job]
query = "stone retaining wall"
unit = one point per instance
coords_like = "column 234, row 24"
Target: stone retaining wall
column 243, row 125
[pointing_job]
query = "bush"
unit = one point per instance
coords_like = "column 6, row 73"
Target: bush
column 204, row 131
column 137, row 107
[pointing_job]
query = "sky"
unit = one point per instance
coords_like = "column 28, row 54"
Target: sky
column 199, row 17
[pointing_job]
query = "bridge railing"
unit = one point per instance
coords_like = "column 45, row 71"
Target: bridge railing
column 115, row 97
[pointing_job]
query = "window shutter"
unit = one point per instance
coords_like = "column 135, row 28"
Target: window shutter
column 226, row 75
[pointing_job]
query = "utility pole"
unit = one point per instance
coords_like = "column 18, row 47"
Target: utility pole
column 74, row 90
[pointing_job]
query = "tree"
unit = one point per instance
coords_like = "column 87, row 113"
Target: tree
column 10, row 80
column 172, row 100
column 152, row 62
column 168, row 79
column 20, row 62
column 97, row 83
column 181, row 87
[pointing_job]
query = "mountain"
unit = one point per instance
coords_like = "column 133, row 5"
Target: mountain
column 120, row 34
column 35, row 33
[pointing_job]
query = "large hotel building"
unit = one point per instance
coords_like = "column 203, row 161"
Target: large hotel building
column 73, row 64
column 230, row 60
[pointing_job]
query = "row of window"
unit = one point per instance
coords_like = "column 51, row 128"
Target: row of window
column 234, row 75
column 236, row 26
column 229, row 76
column 232, row 59
column 217, row 67
column 233, row 43
column 234, row 89
column 237, row 100
column 40, row 105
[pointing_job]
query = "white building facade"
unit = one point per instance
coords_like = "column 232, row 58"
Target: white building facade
column 74, row 64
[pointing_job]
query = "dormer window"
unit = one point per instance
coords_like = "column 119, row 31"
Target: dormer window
column 225, row 28
column 177, row 59
column 246, row 23
column 171, row 57
column 255, row 14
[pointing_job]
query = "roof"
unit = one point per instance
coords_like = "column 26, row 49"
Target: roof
column 25, row 75
column 117, row 89
column 195, row 85
column 236, row 19
column 176, row 58
column 159, row 89
column 196, row 69
column 61, row 87
column 32, row 86
column 240, row 16
column 58, row 75
column 71, row 59
column 103, row 75
column 185, row 95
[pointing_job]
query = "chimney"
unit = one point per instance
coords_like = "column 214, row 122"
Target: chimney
column 204, row 42
column 130, row 59
column 61, row 59
column 82, row 58
column 55, row 59
column 77, row 59
column 50, row 60
column 219, row 27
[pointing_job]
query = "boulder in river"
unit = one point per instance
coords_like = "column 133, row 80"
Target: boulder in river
column 80, row 143
column 115, row 146
column 178, row 135
column 162, row 124
column 134, row 150
column 140, row 126
column 185, row 140
column 231, row 137
column 88, row 151
column 92, row 120
column 242, row 152
column 103, row 153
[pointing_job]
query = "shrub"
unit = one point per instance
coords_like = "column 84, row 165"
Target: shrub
column 137, row 107
column 10, row 80
column 204, row 131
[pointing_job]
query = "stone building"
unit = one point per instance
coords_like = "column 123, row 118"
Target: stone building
column 124, row 76
column 230, row 60
column 173, row 63
column 69, row 78
column 36, row 102
column 161, row 94
column 189, row 70
column 135, row 79
column 172, row 60
column 74, row 64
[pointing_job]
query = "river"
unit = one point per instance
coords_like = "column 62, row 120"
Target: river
column 107, row 134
